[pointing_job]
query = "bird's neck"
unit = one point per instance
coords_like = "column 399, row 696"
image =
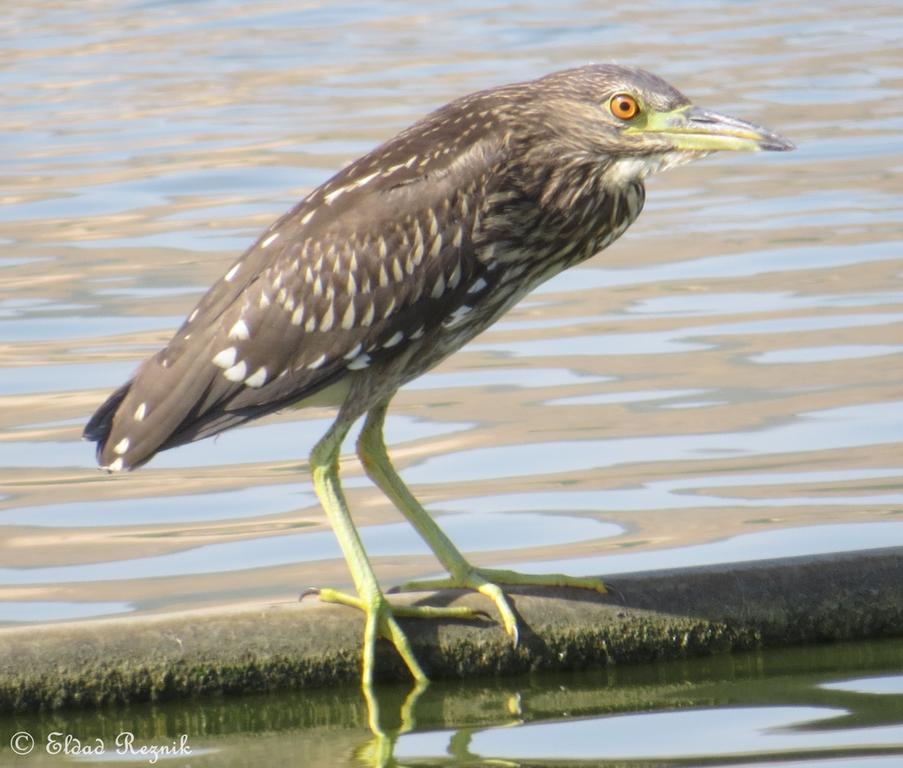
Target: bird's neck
column 557, row 214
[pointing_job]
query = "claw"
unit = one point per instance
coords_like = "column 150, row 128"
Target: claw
column 617, row 593
column 308, row 592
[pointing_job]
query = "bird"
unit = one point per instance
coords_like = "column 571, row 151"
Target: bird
column 392, row 265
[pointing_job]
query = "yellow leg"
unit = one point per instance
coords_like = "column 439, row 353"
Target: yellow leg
column 371, row 449
column 380, row 614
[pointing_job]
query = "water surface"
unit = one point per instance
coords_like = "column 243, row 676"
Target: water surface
column 838, row 706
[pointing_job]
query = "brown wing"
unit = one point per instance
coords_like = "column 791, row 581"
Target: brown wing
column 369, row 261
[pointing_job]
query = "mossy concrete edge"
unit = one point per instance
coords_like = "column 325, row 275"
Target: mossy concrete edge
column 653, row 615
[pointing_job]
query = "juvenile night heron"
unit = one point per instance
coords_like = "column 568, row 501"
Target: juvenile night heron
column 396, row 262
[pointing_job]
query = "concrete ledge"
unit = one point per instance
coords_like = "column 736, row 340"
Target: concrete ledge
column 657, row 615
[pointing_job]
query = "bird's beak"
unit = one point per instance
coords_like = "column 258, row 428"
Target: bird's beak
column 698, row 130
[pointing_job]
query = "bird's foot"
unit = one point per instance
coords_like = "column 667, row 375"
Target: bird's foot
column 489, row 582
column 381, row 621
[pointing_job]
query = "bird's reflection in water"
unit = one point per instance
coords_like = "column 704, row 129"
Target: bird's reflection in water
column 378, row 751
column 392, row 712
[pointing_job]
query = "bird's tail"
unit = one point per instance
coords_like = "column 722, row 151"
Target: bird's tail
column 146, row 414
column 181, row 395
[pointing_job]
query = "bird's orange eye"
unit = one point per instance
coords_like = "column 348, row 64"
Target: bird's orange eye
column 624, row 106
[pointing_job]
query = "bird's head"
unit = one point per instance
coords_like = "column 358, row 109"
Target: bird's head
column 636, row 123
